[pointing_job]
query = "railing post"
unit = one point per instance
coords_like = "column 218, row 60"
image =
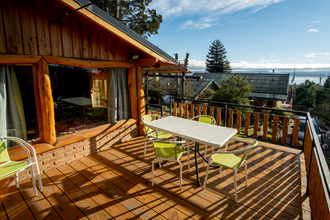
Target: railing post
column 162, row 111
column 225, row 115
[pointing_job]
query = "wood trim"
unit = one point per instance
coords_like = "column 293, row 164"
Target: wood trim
column 132, row 86
column 140, row 99
column 88, row 63
column 18, row 59
column 118, row 33
column 18, row 153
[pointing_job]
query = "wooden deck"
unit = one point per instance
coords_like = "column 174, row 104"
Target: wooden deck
column 116, row 184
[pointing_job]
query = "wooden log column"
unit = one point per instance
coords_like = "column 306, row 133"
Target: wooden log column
column 46, row 102
column 256, row 125
column 132, row 86
column 140, row 99
column 265, row 127
column 247, row 123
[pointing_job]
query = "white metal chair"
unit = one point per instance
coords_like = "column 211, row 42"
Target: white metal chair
column 230, row 160
column 8, row 167
column 150, row 133
column 208, row 120
column 169, row 150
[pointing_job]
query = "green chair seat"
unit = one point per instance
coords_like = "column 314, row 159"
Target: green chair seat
column 226, row 160
column 160, row 135
column 12, row 168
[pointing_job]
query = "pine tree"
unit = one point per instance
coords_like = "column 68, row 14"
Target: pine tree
column 216, row 61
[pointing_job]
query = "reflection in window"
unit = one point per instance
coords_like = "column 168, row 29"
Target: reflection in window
column 86, row 98
column 18, row 115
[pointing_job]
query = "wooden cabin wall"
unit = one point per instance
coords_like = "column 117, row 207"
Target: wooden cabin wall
column 32, row 27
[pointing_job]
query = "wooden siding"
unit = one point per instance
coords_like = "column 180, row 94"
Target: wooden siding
column 33, row 27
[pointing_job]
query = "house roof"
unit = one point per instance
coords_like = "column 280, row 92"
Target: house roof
column 111, row 24
column 266, row 86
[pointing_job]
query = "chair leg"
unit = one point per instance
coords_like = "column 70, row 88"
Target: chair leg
column 34, row 181
column 188, row 147
column 235, row 183
column 207, row 173
column 39, row 177
column 16, row 180
column 205, row 154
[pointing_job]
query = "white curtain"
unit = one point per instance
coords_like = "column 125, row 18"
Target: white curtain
column 118, row 95
column 12, row 118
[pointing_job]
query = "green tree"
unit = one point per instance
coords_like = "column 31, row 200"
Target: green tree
column 306, row 93
column 216, row 61
column 134, row 14
column 234, row 90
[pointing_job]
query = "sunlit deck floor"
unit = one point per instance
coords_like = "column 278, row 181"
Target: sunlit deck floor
column 116, row 183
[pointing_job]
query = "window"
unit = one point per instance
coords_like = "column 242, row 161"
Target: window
column 18, row 115
column 85, row 98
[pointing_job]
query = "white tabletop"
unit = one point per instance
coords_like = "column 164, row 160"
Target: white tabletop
column 80, row 101
column 211, row 135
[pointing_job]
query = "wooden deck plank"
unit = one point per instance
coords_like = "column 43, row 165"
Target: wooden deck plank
column 110, row 205
column 139, row 191
column 290, row 210
column 78, row 197
column 39, row 205
column 60, row 202
column 14, row 204
column 130, row 203
column 181, row 205
column 3, row 214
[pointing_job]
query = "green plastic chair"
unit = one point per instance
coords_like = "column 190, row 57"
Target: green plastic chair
column 150, row 133
column 208, row 120
column 230, row 160
column 8, row 167
column 168, row 150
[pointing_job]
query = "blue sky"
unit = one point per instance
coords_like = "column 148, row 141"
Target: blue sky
column 259, row 35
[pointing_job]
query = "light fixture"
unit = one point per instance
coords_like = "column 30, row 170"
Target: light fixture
column 135, row 57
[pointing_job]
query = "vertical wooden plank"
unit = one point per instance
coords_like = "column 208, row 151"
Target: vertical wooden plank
column 265, row 127
column 212, row 111
column 77, row 36
column 141, row 100
column 2, row 36
column 95, row 42
column 110, row 50
column 247, row 123
column 180, row 110
column 198, row 110
column 29, row 35
column 275, row 128
column 256, row 125
column 311, row 185
column 86, row 40
column 239, row 122
column 204, row 110
column 42, row 27
column 55, row 32
column 46, row 102
column 66, row 35
column 285, row 130
column 192, row 111
column 12, row 27
column 219, row 116
column 186, row 111
column 103, row 46
column 231, row 118
column 132, row 86
column 37, row 96
column 295, row 132
column 307, row 148
column 175, row 113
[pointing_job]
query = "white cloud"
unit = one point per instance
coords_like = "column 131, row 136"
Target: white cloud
column 175, row 8
column 313, row 55
column 317, row 21
column 197, row 65
column 312, row 30
column 200, row 24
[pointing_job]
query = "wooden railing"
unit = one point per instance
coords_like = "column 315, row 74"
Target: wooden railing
column 318, row 175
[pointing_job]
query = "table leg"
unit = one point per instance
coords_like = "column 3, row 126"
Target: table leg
column 196, row 163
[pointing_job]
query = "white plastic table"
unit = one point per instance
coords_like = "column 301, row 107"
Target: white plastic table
column 210, row 135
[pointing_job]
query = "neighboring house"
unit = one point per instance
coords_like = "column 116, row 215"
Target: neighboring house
column 71, row 80
column 270, row 90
